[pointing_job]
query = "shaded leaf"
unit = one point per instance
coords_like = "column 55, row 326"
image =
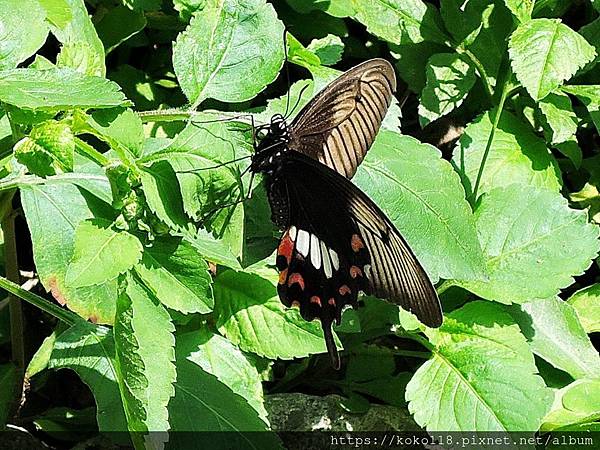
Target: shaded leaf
column 328, row 49
column 590, row 97
column 586, row 302
column 9, row 391
column 555, row 333
column 558, row 112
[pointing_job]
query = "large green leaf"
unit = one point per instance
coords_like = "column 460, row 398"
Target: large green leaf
column 545, row 52
column 177, row 275
column 89, row 350
column 101, row 253
column 53, row 212
column 23, row 31
column 423, row 196
column 587, row 305
column 231, row 51
column 555, row 333
column 119, row 127
column 481, row 377
column 516, row 155
column 203, row 403
column 72, row 25
column 534, row 244
column 575, row 404
column 56, row 89
column 400, row 21
column 449, row 80
column 219, row 357
column 250, row 314
column 144, row 344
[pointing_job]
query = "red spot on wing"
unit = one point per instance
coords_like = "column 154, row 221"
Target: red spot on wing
column 295, row 304
column 356, row 243
column 355, row 271
column 315, row 299
column 296, row 278
column 344, row 289
column 331, row 301
column 286, row 247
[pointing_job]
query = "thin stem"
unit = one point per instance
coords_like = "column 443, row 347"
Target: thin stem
column 174, row 115
column 488, row 145
column 480, row 69
column 61, row 314
column 17, row 327
column 412, row 354
column 90, row 152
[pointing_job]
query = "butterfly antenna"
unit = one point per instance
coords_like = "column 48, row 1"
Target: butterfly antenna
column 287, row 71
column 305, row 87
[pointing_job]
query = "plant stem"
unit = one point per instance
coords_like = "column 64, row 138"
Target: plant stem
column 480, row 69
column 488, row 145
column 174, row 115
column 17, row 330
column 90, row 152
column 412, row 354
column 61, row 314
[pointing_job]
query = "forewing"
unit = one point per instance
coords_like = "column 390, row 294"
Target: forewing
column 338, row 126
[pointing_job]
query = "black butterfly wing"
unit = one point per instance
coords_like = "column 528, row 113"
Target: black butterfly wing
column 338, row 126
column 339, row 243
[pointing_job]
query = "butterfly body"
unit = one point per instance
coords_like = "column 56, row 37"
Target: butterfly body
column 336, row 242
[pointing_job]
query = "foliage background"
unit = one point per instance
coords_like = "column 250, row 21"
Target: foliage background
column 115, row 118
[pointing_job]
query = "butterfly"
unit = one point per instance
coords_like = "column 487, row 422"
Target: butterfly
column 336, row 241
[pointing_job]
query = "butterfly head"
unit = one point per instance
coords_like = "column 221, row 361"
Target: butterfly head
column 271, row 141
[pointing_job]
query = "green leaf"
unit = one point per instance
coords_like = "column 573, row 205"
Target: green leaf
column 213, row 249
column 398, row 174
column 8, row 391
column 534, row 244
column 250, row 314
column 449, row 80
column 80, row 56
column 328, row 49
column 203, row 403
column 521, row 9
column 119, row 127
column 58, row 89
column 544, row 53
column 574, row 404
column 219, row 357
column 118, row 25
column 336, row 8
column 53, row 212
column 482, row 376
column 412, row 59
column 590, row 97
column 101, row 253
column 163, row 194
column 49, row 146
column 23, row 31
column 89, row 350
column 586, row 302
column 516, row 155
column 144, row 344
column 231, row 51
column 177, row 275
column 400, row 21
column 570, row 148
column 555, row 333
column 558, row 112
column 73, row 27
